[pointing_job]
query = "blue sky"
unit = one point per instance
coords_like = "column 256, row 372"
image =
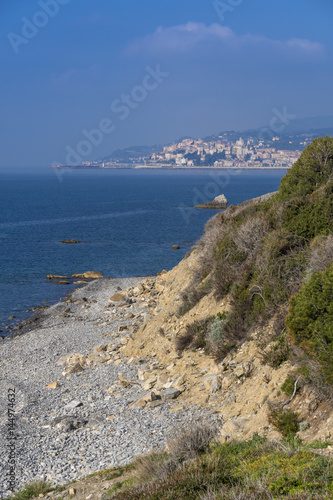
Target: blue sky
column 116, row 73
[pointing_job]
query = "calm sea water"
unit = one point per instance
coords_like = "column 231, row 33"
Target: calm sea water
column 127, row 220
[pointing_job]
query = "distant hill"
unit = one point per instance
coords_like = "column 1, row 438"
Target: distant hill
column 293, row 138
column 132, row 153
column 316, row 123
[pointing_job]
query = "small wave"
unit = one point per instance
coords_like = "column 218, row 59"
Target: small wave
column 81, row 218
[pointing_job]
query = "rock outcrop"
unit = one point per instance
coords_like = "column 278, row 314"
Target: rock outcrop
column 71, row 242
column 220, row 202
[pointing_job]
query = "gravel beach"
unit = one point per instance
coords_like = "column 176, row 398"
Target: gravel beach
column 89, row 419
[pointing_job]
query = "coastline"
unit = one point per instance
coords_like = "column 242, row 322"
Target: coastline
column 92, row 416
column 157, row 167
column 41, row 313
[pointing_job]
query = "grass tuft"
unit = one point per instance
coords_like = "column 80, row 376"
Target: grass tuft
column 32, row 490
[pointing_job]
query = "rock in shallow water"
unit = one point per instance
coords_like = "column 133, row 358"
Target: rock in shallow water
column 71, row 242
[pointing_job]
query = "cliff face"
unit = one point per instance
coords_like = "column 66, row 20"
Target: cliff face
column 240, row 388
column 219, row 326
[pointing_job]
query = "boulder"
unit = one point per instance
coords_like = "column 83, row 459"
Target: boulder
column 179, row 381
column 143, row 374
column 92, row 275
column 149, row 383
column 76, row 368
column 138, row 290
column 154, row 404
column 175, row 247
column 243, row 369
column 140, row 403
column 97, row 358
column 72, row 359
column 213, row 383
column 221, row 199
column 100, row 348
column 170, row 393
column 159, row 287
column 77, row 276
column 162, row 379
column 226, row 382
column 219, row 203
column 73, row 404
column 117, row 297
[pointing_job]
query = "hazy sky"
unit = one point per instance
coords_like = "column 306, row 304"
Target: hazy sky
column 146, row 72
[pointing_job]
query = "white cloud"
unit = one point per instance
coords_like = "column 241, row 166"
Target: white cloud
column 186, row 37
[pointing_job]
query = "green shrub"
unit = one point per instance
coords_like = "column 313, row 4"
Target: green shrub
column 278, row 352
column 217, row 328
column 32, row 490
column 261, row 254
column 245, row 470
column 310, row 216
column 195, row 335
column 312, row 170
column 310, row 320
column 319, row 445
column 288, row 386
column 208, row 334
column 285, row 421
column 192, row 296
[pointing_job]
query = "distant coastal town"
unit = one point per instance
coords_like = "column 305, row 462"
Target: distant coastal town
column 227, row 150
column 221, row 153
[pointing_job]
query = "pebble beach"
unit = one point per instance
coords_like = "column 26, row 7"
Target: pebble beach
column 77, row 398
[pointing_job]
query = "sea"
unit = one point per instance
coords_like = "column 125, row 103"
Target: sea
column 126, row 219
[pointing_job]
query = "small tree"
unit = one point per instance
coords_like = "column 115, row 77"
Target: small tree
column 312, row 170
column 310, row 319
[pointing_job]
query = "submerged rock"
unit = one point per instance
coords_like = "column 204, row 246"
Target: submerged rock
column 71, row 242
column 89, row 275
column 56, row 277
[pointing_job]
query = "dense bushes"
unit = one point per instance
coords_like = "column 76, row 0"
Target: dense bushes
column 313, row 169
column 312, row 215
column 207, row 334
column 285, row 421
column 260, row 254
column 252, row 470
column 310, row 320
column 277, row 353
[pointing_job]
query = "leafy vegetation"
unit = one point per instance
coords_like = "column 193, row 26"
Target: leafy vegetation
column 312, row 170
column 288, row 386
column 285, row 421
column 33, row 490
column 277, row 353
column 262, row 254
column 256, row 469
column 310, row 320
column 207, row 334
